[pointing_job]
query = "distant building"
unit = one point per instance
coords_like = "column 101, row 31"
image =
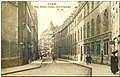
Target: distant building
column 17, row 21
column 46, row 41
column 43, row 42
column 57, row 46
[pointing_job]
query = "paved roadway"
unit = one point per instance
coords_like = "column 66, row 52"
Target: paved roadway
column 54, row 68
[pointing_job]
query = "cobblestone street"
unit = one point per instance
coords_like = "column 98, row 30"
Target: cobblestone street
column 51, row 68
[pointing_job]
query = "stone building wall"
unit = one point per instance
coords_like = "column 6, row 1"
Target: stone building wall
column 9, row 34
column 94, row 19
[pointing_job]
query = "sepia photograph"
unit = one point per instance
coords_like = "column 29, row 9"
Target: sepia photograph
column 60, row 38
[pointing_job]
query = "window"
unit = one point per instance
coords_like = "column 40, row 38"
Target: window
column 92, row 4
column 88, row 29
column 13, row 49
column 5, row 48
column 92, row 49
column 116, row 10
column 106, row 47
column 88, row 8
column 72, row 37
column 84, row 32
column 79, row 18
column 81, row 49
column 98, row 26
column 81, row 54
column 106, row 20
column 81, row 33
column 78, row 34
column 98, row 2
column 119, row 4
column 88, row 49
column 75, row 36
column 92, row 27
column 71, row 25
column 98, row 48
column 84, row 11
column 85, row 49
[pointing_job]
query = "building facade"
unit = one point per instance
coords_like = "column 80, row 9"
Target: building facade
column 89, row 30
column 9, row 34
column 34, row 32
column 16, row 33
column 42, row 41
column 46, row 40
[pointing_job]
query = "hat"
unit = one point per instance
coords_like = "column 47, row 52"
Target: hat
column 115, row 52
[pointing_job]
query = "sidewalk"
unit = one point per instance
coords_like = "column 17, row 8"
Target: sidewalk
column 32, row 65
column 97, row 69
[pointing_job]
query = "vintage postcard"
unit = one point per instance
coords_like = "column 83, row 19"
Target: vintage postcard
column 60, row 38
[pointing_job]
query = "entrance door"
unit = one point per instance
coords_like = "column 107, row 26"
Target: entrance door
column 81, row 54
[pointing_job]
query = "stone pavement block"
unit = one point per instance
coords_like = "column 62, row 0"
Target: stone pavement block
column 33, row 65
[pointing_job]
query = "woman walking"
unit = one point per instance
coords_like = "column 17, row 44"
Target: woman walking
column 114, row 63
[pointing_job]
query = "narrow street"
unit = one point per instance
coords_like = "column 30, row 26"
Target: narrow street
column 54, row 68
column 84, row 36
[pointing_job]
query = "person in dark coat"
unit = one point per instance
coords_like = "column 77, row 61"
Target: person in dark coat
column 90, row 59
column 87, row 59
column 53, row 57
column 101, row 57
column 114, row 63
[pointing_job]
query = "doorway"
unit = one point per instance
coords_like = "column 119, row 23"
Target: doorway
column 81, row 57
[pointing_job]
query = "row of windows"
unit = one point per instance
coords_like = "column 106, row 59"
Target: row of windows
column 96, row 29
column 91, row 49
column 8, row 47
column 91, row 30
column 87, row 8
column 79, row 18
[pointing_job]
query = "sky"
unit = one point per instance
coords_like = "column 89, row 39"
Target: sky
column 57, row 12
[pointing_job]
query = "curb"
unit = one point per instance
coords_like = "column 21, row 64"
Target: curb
column 22, row 70
column 90, row 69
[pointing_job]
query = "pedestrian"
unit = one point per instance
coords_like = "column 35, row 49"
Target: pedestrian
column 90, row 59
column 114, row 62
column 87, row 59
column 53, row 57
column 102, row 57
column 42, row 54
